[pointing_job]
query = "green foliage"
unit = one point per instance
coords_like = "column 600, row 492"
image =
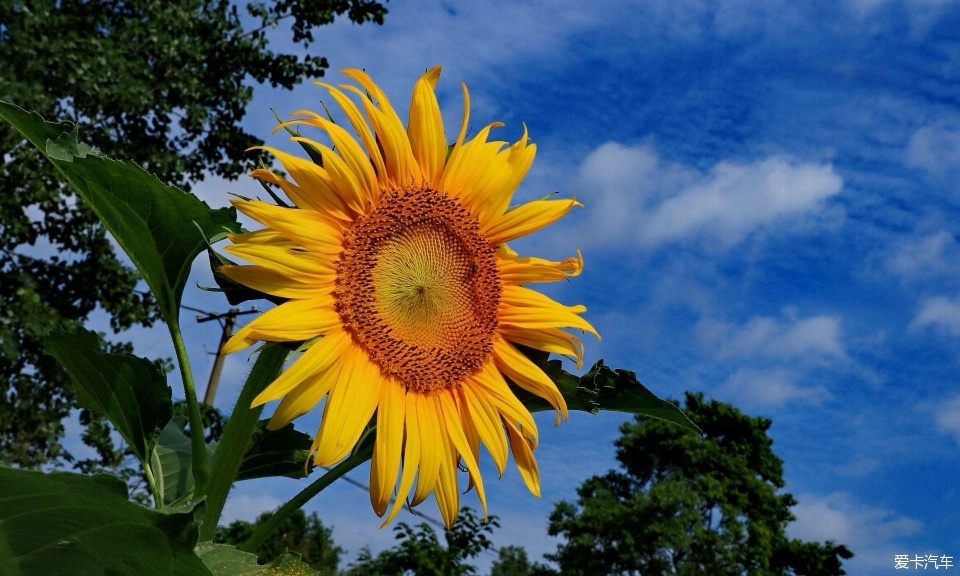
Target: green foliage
column 513, row 561
column 225, row 559
column 171, row 462
column 280, row 452
column 164, row 84
column 131, row 391
column 161, row 228
column 420, row 552
column 52, row 522
column 689, row 506
column 303, row 534
column 601, row 388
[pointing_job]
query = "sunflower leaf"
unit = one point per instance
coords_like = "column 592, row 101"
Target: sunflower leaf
column 280, row 452
column 604, row 388
column 228, row 561
column 172, row 464
column 62, row 523
column 132, row 392
column 152, row 222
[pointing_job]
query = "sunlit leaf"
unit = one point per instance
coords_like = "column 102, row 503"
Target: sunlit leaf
column 225, row 560
column 62, row 523
column 172, row 464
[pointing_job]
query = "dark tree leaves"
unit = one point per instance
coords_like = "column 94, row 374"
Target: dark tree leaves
column 164, row 84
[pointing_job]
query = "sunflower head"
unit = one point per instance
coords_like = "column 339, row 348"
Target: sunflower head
column 393, row 262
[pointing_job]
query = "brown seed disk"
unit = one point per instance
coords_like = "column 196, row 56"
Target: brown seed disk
column 418, row 287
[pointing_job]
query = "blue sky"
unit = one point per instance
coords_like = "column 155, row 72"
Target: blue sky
column 771, row 200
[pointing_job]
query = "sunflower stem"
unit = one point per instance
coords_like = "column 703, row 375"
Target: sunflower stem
column 263, row 531
column 236, row 437
column 198, row 448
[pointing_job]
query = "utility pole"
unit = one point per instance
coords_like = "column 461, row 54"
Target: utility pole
column 227, row 320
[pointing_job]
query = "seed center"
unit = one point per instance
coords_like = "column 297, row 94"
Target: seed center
column 418, row 287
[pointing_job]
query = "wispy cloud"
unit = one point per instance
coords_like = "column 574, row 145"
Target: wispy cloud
column 637, row 198
column 788, row 337
column 873, row 533
column 940, row 313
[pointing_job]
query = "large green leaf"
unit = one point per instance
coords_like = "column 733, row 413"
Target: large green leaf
column 225, row 560
column 70, row 524
column 172, row 464
column 130, row 391
column 155, row 224
column 602, row 388
column 280, row 452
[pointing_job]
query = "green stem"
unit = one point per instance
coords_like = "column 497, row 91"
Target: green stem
column 273, row 522
column 154, row 490
column 198, row 448
column 236, row 437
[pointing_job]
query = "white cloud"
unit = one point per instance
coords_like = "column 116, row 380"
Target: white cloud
column 935, row 149
column 791, row 337
column 637, row 198
column 768, row 387
column 872, row 533
column 925, row 256
column 947, row 417
column 940, row 313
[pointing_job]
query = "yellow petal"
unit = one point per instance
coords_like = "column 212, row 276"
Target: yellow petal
column 467, row 164
column 306, row 227
column 313, row 361
column 349, row 407
column 546, row 339
column 411, row 455
column 494, row 192
column 315, row 184
column 385, row 463
column 516, row 270
column 303, row 398
column 527, row 375
column 349, row 151
column 486, row 421
column 489, row 382
column 292, row 262
column 291, row 321
column 293, row 192
column 525, row 219
column 425, row 128
column 447, row 492
column 523, row 455
column 341, row 178
column 362, row 129
column 450, row 413
column 431, row 446
column 528, row 308
column 274, row 283
column 401, row 165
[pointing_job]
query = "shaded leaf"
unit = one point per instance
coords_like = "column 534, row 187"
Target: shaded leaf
column 171, row 462
column 602, row 388
column 225, row 560
column 132, row 392
column 280, row 452
column 62, row 523
column 155, row 224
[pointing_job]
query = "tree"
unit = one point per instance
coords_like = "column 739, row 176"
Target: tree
column 300, row 533
column 683, row 505
column 513, row 561
column 420, row 552
column 162, row 82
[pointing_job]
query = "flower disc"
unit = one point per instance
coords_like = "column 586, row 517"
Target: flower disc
column 419, row 289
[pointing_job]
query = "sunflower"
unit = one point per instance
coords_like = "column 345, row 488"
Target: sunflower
column 393, row 267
